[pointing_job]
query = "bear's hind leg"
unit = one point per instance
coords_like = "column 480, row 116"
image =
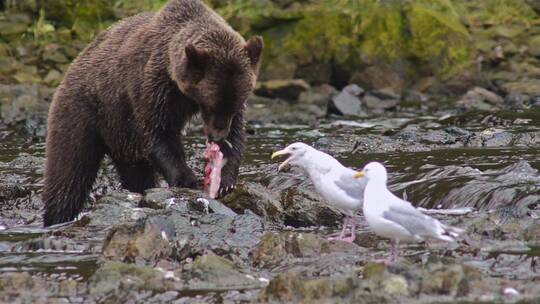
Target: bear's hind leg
column 136, row 177
column 71, row 169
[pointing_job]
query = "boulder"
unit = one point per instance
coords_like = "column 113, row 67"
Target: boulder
column 377, row 104
column 287, row 89
column 319, row 95
column 348, row 102
column 54, row 53
column 379, row 77
column 53, row 78
column 212, row 272
column 276, row 248
column 480, row 99
column 530, row 87
column 257, row 199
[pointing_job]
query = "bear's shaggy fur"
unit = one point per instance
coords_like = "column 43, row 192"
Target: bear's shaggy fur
column 130, row 93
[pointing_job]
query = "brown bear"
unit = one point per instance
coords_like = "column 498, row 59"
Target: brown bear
column 129, row 95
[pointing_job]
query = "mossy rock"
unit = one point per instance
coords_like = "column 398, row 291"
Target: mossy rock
column 292, row 287
column 115, row 278
column 70, row 12
column 438, row 39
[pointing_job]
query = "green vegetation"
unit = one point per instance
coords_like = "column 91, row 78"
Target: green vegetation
column 427, row 37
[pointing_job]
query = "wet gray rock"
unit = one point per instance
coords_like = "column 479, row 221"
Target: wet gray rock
column 211, row 272
column 276, row 248
column 142, row 242
column 24, row 287
column 158, row 198
column 266, row 111
column 348, row 102
column 145, row 235
column 480, row 99
column 116, row 208
column 386, row 94
column 118, row 282
column 532, row 234
column 10, row 192
column 517, row 100
column 306, row 209
column 413, row 133
column 289, row 89
column 494, row 137
column 497, row 138
column 529, row 87
column 21, row 102
column 413, row 96
column 444, row 279
column 28, row 162
column 292, row 287
column 213, row 205
column 256, row 198
column 379, row 77
column 319, row 95
column 302, row 205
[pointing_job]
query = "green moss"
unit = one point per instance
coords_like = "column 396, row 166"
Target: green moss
column 496, row 12
column 383, row 32
column 321, row 37
column 438, row 39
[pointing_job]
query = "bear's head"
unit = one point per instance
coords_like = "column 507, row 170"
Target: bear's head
column 220, row 81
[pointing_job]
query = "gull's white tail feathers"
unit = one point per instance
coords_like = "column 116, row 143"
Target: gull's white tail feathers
column 449, row 233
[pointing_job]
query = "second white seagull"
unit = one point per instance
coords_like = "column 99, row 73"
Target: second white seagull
column 391, row 217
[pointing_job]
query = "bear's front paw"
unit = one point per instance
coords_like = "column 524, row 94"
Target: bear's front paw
column 186, row 179
column 228, row 184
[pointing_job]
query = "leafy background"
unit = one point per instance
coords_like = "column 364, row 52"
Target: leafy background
column 321, row 41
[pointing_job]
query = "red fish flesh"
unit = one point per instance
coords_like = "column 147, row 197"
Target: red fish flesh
column 212, row 170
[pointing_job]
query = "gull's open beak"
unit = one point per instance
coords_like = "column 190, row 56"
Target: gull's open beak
column 359, row 174
column 279, row 153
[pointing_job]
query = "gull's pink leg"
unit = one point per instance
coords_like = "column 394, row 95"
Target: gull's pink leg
column 343, row 231
column 352, row 237
column 395, row 248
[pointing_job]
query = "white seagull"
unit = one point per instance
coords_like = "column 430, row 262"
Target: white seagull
column 331, row 179
column 391, row 217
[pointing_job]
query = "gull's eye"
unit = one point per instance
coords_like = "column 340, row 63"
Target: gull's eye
column 293, row 148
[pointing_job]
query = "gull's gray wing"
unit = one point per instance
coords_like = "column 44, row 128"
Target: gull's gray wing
column 405, row 215
column 351, row 186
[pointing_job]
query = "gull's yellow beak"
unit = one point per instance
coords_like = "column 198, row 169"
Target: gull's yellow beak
column 277, row 153
column 286, row 162
column 359, row 174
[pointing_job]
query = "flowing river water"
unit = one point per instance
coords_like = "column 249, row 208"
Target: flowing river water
column 487, row 162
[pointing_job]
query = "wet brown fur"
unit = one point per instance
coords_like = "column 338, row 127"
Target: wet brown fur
column 129, row 95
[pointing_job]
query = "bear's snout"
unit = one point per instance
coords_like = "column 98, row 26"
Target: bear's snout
column 217, row 129
column 215, row 134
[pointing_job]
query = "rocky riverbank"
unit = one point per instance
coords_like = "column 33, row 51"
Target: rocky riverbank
column 465, row 137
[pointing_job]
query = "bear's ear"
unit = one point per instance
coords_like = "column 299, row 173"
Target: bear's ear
column 254, row 48
column 196, row 58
